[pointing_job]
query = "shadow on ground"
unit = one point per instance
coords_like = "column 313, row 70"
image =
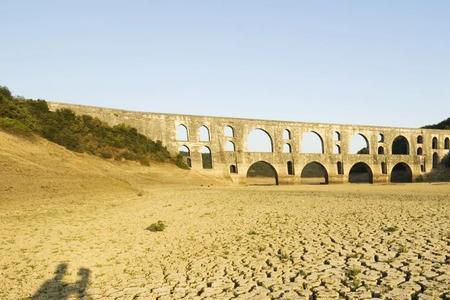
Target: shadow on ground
column 57, row 289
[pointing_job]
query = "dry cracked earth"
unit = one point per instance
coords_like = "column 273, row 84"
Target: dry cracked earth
column 302, row 242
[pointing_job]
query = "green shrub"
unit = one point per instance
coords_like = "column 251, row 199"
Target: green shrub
column 353, row 272
column 364, row 150
column 14, row 127
column 4, row 91
column 128, row 155
column 144, row 161
column 442, row 125
column 446, row 161
column 441, row 172
column 155, row 227
column 77, row 133
column 106, row 153
column 390, row 229
column 180, row 161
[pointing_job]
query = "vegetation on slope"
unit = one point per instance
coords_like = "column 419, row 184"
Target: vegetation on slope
column 441, row 172
column 442, row 125
column 78, row 133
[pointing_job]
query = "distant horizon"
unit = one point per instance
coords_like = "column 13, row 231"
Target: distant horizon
column 381, row 63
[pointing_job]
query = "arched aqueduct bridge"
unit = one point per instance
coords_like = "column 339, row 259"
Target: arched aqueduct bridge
column 223, row 146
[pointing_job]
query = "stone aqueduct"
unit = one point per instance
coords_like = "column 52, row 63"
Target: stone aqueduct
column 227, row 143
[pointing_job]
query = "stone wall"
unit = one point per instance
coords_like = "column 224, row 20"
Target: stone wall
column 163, row 127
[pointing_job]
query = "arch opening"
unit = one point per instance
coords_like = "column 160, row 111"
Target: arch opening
column 360, row 173
column 233, row 169
column 287, row 148
column 184, row 151
column 401, row 173
column 228, row 131
column 259, row 140
column 435, row 160
column 286, row 134
column 420, row 151
column 262, row 173
column 423, row 168
column 337, row 149
column 229, row 146
column 290, row 168
column 447, row 143
column 419, row 139
column 312, row 142
column 340, row 168
column 189, row 162
column 383, row 168
column 336, row 136
column 400, row 146
column 203, row 134
column 206, row 158
column 182, row 133
column 359, row 144
column 314, row 173
column 435, row 143
column 380, row 138
column 381, row 150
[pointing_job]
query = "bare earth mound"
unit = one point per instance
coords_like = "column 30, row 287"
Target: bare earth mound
column 73, row 225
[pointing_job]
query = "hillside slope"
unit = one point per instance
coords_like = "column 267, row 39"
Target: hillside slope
column 36, row 168
column 441, row 125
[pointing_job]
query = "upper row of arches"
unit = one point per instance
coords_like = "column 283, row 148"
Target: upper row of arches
column 260, row 140
column 182, row 133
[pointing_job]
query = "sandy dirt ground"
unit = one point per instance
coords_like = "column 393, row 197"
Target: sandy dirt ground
column 73, row 226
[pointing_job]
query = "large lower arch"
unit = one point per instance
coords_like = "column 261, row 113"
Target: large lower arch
column 314, row 173
column 262, row 173
column 401, row 173
column 360, row 173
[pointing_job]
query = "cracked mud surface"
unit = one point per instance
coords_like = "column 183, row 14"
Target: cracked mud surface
column 303, row 242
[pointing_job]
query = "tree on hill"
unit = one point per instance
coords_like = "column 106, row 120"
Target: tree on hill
column 442, row 125
column 78, row 133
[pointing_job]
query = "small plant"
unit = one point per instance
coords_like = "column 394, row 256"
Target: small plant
column 353, row 272
column 402, row 249
column 390, row 229
column 390, row 260
column 353, row 276
column 155, row 227
column 356, row 283
column 283, row 256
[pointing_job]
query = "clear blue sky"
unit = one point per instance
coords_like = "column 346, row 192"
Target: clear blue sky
column 366, row 62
